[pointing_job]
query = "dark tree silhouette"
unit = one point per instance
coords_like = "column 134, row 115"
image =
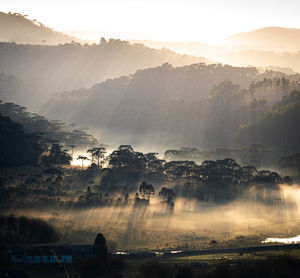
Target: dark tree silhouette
column 99, row 153
column 72, row 147
column 146, row 190
column 57, row 155
column 21, row 230
column 82, row 158
column 168, row 196
column 18, row 147
column 100, row 247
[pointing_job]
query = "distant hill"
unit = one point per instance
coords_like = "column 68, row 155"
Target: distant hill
column 285, row 57
column 269, row 38
column 15, row 27
column 47, row 70
column 196, row 105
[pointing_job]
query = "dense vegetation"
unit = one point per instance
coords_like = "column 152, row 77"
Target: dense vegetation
column 16, row 146
column 133, row 178
column 194, row 198
column 21, row 230
column 291, row 164
column 278, row 126
column 50, row 131
column 197, row 105
column 212, row 181
column 256, row 155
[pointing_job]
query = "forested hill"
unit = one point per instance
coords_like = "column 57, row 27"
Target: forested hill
column 16, row 146
column 48, row 130
column 197, row 105
column 278, row 126
column 52, row 69
column 15, row 27
column 147, row 92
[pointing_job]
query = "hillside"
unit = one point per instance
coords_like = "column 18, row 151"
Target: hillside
column 16, row 146
column 278, row 126
column 278, row 39
column 47, row 70
column 50, row 131
column 283, row 60
column 197, row 105
column 15, row 27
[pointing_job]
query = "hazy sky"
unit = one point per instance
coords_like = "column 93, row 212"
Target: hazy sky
column 173, row 20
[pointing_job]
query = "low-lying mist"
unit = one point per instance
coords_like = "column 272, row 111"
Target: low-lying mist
column 191, row 225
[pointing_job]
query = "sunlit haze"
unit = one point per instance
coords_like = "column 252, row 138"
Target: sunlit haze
column 176, row 20
column 149, row 138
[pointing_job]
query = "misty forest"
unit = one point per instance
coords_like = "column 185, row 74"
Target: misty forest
column 147, row 157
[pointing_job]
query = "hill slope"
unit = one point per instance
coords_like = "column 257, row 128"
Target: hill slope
column 270, row 38
column 197, row 105
column 47, row 70
column 284, row 58
column 162, row 106
column 49, row 130
column 17, row 28
column 278, row 126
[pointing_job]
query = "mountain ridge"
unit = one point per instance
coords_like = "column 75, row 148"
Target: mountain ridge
column 275, row 38
column 15, row 27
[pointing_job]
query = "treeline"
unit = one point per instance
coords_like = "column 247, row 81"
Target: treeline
column 197, row 105
column 29, row 31
column 50, row 131
column 211, row 181
column 283, row 59
column 278, row 126
column 24, row 230
column 257, row 155
column 160, row 106
column 18, row 147
column 127, row 177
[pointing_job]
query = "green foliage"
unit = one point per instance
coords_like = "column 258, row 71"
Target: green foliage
column 294, row 96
